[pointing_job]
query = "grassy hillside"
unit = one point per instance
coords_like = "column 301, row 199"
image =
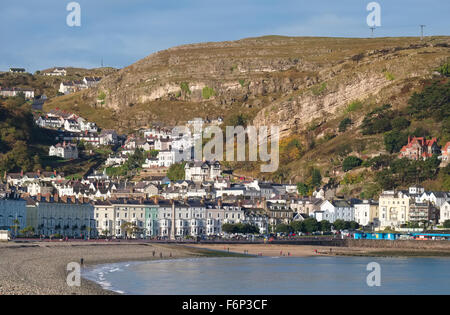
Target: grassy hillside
column 322, row 92
column 21, row 144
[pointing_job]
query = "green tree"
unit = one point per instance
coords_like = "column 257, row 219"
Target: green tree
column 228, row 228
column 344, row 124
column 311, row 225
column 378, row 121
column 297, row 226
column 28, row 231
column 154, row 153
column 447, row 224
column 353, row 225
column 185, row 88
column 237, row 120
column 302, row 189
column 400, row 123
column 249, row 229
column 339, row 225
column 130, row 229
column 316, row 178
column 444, row 69
column 433, row 101
column 350, row 163
column 176, row 172
column 325, row 226
column 395, row 140
column 208, row 92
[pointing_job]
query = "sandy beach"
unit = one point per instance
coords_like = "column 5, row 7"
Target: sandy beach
column 273, row 250
column 40, row 268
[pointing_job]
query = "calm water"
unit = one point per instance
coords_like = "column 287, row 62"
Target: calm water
column 267, row 276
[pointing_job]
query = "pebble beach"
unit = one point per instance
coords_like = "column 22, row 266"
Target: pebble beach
column 40, row 268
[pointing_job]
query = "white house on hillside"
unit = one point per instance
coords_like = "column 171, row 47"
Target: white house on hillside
column 64, row 150
column 202, row 171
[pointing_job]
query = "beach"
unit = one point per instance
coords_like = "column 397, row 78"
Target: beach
column 40, row 268
column 283, row 250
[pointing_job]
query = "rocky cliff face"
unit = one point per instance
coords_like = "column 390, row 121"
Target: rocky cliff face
column 290, row 82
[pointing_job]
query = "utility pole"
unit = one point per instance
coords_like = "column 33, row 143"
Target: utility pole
column 421, row 31
column 373, row 29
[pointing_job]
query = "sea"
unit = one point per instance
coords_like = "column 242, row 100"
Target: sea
column 276, row 276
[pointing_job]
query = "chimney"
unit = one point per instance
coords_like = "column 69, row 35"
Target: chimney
column 38, row 197
column 21, row 173
column 54, row 172
column 64, row 199
column 56, row 198
column 39, row 172
column 155, row 199
column 219, row 203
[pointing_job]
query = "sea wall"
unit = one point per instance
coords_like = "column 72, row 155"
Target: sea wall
column 403, row 244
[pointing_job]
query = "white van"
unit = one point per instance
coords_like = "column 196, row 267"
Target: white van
column 4, row 236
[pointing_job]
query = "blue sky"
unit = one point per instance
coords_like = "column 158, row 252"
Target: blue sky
column 35, row 34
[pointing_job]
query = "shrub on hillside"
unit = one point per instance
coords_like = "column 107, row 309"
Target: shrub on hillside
column 350, row 163
column 344, row 124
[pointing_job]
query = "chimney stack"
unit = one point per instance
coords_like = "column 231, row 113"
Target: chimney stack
column 56, row 197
